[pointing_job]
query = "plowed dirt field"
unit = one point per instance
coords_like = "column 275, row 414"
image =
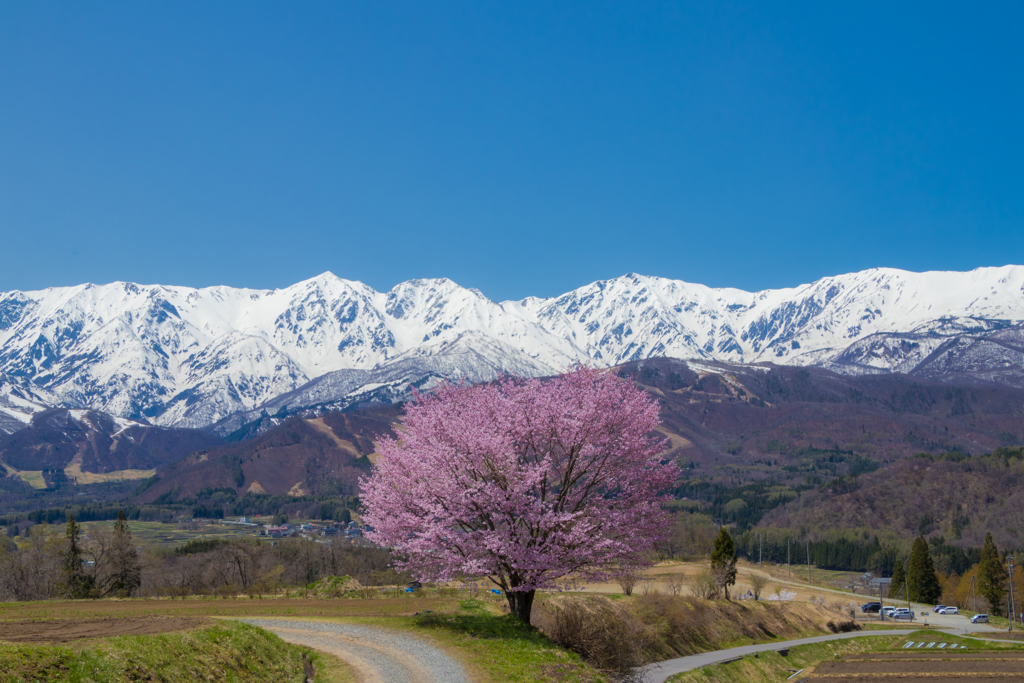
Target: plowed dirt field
column 937, row 667
column 65, row 630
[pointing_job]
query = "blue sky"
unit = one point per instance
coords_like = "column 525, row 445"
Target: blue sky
column 520, row 148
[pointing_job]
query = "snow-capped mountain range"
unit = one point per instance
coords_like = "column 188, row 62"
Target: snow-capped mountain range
column 178, row 356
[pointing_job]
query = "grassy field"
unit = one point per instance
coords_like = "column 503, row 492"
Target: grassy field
column 33, row 478
column 160, row 535
column 771, row 667
column 474, row 630
column 223, row 652
column 74, row 470
column 494, row 647
column 825, row 582
column 230, row 607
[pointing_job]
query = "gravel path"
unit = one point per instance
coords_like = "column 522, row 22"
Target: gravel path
column 378, row 655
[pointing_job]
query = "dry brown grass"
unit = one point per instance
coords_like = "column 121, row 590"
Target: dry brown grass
column 604, row 632
column 618, row 636
column 231, row 607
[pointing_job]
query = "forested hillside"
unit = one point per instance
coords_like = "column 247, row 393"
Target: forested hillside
column 953, row 495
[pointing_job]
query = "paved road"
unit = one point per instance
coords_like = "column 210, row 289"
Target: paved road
column 658, row 673
column 944, row 621
column 378, row 655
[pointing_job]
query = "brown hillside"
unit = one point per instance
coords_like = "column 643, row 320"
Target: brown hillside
column 298, row 457
column 55, row 438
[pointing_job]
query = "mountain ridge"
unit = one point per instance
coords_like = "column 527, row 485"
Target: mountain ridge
column 186, row 357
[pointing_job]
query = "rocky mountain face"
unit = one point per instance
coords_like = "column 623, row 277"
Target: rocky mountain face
column 177, row 356
column 90, row 442
column 19, row 402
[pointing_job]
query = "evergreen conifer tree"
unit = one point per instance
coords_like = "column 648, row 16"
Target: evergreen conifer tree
column 77, row 584
column 992, row 576
column 124, row 559
column 923, row 584
column 723, row 562
column 899, row 578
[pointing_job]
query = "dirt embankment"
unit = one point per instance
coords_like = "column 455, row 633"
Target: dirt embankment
column 66, row 630
column 619, row 635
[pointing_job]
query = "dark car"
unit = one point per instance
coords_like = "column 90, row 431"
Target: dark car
column 415, row 585
column 871, row 608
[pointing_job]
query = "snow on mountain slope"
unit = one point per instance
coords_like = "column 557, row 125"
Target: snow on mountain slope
column 19, row 403
column 193, row 357
column 636, row 317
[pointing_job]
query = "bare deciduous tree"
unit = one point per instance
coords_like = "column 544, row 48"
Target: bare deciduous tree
column 758, row 582
column 627, row 578
column 675, row 582
column 703, row 584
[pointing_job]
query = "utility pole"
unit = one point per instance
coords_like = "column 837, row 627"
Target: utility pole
column 1013, row 602
column 789, row 558
column 760, row 550
column 974, row 593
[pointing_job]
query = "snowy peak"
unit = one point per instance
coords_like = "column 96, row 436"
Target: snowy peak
column 192, row 357
column 635, row 317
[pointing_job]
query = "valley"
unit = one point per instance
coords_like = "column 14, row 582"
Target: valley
column 804, row 449
column 880, row 404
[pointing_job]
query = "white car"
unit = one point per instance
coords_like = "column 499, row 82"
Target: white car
column 949, row 610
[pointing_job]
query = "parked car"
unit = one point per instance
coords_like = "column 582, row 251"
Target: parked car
column 938, row 609
column 889, row 611
column 979, row 619
column 949, row 610
column 903, row 614
column 871, row 607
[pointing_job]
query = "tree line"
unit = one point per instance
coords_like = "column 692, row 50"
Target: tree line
column 207, row 504
column 848, row 551
column 53, row 562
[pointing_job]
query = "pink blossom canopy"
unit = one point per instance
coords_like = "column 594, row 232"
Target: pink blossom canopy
column 529, row 482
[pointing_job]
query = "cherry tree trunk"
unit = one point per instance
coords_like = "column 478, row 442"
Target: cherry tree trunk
column 520, row 603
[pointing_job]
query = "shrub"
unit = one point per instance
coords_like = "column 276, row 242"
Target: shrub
column 843, row 626
column 704, row 585
column 603, row 632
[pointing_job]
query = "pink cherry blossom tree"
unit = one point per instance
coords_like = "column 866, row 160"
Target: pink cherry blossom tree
column 531, row 483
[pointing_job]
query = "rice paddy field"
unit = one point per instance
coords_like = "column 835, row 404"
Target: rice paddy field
column 162, row 535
